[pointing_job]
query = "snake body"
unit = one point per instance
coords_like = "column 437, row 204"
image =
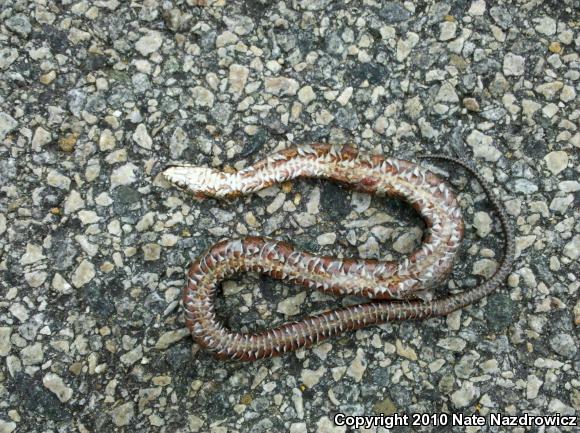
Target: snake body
column 393, row 286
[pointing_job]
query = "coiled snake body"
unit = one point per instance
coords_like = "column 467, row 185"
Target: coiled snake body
column 393, row 286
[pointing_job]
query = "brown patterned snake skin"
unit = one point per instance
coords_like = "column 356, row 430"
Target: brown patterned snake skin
column 425, row 268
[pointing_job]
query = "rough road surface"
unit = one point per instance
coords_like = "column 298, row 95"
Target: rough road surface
column 96, row 97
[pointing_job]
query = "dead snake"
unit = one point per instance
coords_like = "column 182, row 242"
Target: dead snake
column 425, row 268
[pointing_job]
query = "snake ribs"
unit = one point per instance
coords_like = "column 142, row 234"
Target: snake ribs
column 393, row 286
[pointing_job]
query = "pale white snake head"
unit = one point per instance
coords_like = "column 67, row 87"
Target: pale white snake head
column 202, row 181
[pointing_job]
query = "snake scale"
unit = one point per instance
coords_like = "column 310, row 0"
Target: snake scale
column 394, row 287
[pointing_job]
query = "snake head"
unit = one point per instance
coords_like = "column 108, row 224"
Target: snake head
column 203, row 182
column 194, row 179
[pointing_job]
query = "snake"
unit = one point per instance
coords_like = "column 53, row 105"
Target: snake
column 394, row 288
